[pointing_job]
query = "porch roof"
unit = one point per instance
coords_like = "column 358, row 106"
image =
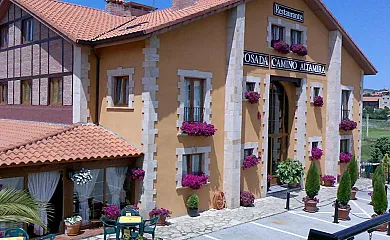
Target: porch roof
column 33, row 142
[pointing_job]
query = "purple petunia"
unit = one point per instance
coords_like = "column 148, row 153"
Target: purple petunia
column 330, row 178
column 281, row 47
column 299, row 49
column 137, row 174
column 348, row 125
column 318, row 101
column 250, row 161
column 160, row 212
column 316, row 153
column 247, row 198
column 112, row 212
column 198, row 129
column 252, row 96
column 194, row 180
column 345, row 157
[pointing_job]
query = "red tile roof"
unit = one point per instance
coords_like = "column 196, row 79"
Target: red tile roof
column 371, row 99
column 41, row 142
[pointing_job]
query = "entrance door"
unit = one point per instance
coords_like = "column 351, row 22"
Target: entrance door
column 278, row 127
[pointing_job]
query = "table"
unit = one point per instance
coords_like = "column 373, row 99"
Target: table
column 12, row 238
column 131, row 222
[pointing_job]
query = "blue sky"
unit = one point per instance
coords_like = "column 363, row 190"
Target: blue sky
column 366, row 21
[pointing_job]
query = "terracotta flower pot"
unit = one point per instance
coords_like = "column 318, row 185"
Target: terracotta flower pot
column 353, row 194
column 344, row 214
column 310, row 206
column 328, row 183
column 73, row 230
column 292, row 185
column 161, row 221
column 193, row 212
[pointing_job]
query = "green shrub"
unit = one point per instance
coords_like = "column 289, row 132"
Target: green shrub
column 386, row 163
column 193, row 202
column 290, row 171
column 312, row 185
column 379, row 197
column 353, row 170
column 379, row 175
column 344, row 191
column 380, row 149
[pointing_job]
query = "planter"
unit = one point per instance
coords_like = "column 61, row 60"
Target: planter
column 72, row 229
column 310, row 206
column 161, row 221
column 344, row 214
column 353, row 194
column 328, row 183
column 193, row 212
column 292, row 185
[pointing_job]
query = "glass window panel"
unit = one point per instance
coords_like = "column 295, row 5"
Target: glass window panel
column 314, row 145
column 117, row 191
column 316, row 92
column 126, row 90
column 196, row 163
column 248, row 152
column 250, row 86
column 185, row 164
column 277, row 33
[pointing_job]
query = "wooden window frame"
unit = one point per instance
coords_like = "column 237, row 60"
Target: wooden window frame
column 123, row 91
column 59, row 91
column 22, row 89
column 191, row 107
column 299, row 37
column 281, row 32
column 188, row 158
column 25, row 31
column 4, row 85
column 4, row 43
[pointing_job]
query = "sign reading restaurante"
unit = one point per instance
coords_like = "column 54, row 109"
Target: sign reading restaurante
column 282, row 63
column 289, row 13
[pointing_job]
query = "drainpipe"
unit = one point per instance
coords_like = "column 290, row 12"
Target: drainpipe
column 97, row 86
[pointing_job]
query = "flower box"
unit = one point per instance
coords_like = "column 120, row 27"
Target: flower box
column 194, row 180
column 348, row 125
column 328, row 180
column 162, row 213
column 250, row 161
column 198, row 129
column 316, row 154
column 345, row 157
column 299, row 49
column 247, row 199
column 318, row 101
column 281, row 47
column 252, row 96
column 137, row 174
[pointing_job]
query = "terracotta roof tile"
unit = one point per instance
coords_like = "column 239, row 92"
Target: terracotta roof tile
column 65, row 143
column 371, row 99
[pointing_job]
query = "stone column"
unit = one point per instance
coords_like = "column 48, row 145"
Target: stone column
column 265, row 125
column 359, row 159
column 233, row 106
column 333, row 104
column 81, row 84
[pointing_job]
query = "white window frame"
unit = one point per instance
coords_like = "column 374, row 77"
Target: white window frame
column 312, row 87
column 288, row 26
column 347, row 137
column 250, row 79
column 180, row 152
column 314, row 139
column 112, row 74
column 249, row 145
column 350, row 100
column 207, row 87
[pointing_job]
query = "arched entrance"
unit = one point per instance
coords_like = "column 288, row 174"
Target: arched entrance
column 278, row 136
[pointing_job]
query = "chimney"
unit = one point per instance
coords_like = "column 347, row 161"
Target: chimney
column 126, row 9
column 180, row 4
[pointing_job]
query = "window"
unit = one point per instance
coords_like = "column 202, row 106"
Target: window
column 192, row 163
column 277, row 33
column 28, row 30
column 344, row 145
column 248, row 152
column 314, row 145
column 193, row 105
column 296, row 37
column 56, row 91
column 344, row 104
column 26, row 92
column 4, row 36
column 3, row 93
column 250, row 86
column 121, row 94
column 316, row 91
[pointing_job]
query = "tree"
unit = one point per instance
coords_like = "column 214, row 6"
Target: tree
column 386, row 163
column 353, row 170
column 380, row 149
column 312, row 185
column 379, row 197
column 19, row 207
column 344, row 191
column 379, row 175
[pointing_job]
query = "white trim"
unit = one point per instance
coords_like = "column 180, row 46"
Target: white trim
column 194, row 150
column 265, row 119
column 119, row 72
column 288, row 26
column 207, row 76
column 249, row 145
column 347, row 137
column 312, row 87
column 250, row 79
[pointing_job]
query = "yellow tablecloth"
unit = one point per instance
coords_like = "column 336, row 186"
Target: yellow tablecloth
column 130, row 219
column 13, row 238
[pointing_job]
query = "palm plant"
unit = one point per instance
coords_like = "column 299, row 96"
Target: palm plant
column 19, row 207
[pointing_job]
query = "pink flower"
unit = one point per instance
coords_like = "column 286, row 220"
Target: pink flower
column 247, row 198
column 345, row 157
column 316, row 154
column 299, row 49
column 348, row 125
column 112, row 212
column 158, row 212
column 269, row 177
column 281, row 47
column 253, row 97
column 330, row 178
column 250, row 161
column 198, row 129
column 318, row 101
column 194, row 180
column 137, row 174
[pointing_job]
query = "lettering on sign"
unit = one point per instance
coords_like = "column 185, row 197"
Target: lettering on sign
column 256, row 59
column 290, row 64
column 289, row 13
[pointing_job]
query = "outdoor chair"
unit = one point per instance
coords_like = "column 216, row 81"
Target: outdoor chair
column 149, row 226
column 133, row 212
column 48, row 237
column 16, row 232
column 109, row 227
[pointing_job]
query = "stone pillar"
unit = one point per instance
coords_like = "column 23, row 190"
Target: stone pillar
column 333, row 104
column 359, row 159
column 265, row 121
column 233, row 106
column 81, row 84
column 149, row 81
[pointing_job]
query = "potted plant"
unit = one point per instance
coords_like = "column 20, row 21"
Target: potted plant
column 348, row 125
column 316, row 154
column 192, row 205
column 250, row 161
column 312, row 187
column 353, row 170
column 195, row 180
column 269, row 178
column 72, row 225
column 198, row 129
column 247, row 199
column 162, row 213
column 379, row 196
column 343, row 196
column 328, row 180
column 281, row 47
column 252, row 96
column 290, row 172
column 299, row 49
column 318, row 101
column 112, row 212
column 345, row 157
column 137, row 174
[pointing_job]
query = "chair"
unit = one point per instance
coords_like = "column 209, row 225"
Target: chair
column 109, row 227
column 16, row 232
column 48, row 237
column 149, row 226
column 133, row 212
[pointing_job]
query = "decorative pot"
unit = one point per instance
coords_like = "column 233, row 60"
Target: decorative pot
column 73, row 229
column 353, row 194
column 328, row 183
column 344, row 214
column 193, row 212
column 310, row 206
column 292, row 185
column 161, row 221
